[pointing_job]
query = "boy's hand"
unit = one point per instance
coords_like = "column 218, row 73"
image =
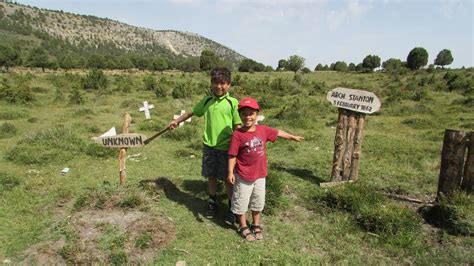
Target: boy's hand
column 172, row 125
column 297, row 138
column 231, row 178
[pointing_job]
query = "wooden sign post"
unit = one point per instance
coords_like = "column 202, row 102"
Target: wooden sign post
column 353, row 105
column 127, row 120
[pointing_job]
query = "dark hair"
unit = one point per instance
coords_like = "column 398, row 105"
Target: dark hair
column 220, row 74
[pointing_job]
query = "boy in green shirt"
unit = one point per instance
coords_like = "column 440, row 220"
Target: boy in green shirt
column 220, row 119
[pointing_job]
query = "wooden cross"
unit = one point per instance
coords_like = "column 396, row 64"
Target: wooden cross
column 182, row 123
column 146, row 108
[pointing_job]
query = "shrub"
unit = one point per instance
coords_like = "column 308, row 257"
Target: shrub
column 76, row 96
column 149, row 83
column 161, row 91
column 182, row 90
column 21, row 93
column 95, row 80
column 7, row 130
column 123, row 84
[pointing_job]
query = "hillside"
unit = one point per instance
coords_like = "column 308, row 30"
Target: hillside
column 93, row 32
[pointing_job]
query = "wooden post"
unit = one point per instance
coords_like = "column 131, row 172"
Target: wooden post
column 351, row 128
column 353, row 105
column 452, row 160
column 359, row 136
column 127, row 119
column 468, row 177
column 339, row 147
column 347, row 145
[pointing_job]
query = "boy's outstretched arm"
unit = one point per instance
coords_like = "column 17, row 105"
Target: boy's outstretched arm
column 283, row 134
column 230, row 169
column 175, row 122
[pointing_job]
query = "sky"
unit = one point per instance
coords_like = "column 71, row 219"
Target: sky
column 321, row 31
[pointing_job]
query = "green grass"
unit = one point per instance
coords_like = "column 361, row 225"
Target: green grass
column 303, row 223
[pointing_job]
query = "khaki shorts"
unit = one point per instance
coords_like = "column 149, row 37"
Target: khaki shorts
column 248, row 194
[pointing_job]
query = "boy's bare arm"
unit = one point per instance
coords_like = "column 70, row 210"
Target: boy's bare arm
column 175, row 122
column 230, row 171
column 283, row 134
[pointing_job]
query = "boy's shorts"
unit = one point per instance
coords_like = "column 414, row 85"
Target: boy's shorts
column 248, row 194
column 214, row 163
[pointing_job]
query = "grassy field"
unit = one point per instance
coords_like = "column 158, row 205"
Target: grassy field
column 85, row 216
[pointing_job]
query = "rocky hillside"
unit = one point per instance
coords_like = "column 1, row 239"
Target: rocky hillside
column 83, row 30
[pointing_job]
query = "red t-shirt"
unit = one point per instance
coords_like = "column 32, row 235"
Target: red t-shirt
column 250, row 150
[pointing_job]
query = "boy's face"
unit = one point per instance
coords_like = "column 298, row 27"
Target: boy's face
column 219, row 88
column 248, row 116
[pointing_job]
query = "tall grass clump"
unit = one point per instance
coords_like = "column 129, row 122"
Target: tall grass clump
column 8, row 182
column 20, row 93
column 454, row 214
column 274, row 200
column 57, row 144
column 373, row 213
column 7, row 130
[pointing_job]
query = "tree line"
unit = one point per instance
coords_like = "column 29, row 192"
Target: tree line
column 416, row 59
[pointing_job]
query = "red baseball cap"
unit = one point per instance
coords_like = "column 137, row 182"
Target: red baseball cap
column 249, row 102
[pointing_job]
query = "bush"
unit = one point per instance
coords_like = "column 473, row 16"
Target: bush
column 149, row 83
column 20, row 94
column 7, row 130
column 95, row 80
column 77, row 97
column 182, row 90
column 161, row 91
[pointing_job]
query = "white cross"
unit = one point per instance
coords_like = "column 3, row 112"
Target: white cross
column 182, row 123
column 260, row 118
column 146, row 108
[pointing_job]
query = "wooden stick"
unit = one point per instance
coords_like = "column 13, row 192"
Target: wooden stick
column 155, row 136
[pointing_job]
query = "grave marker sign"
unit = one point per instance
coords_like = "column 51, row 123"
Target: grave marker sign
column 353, row 106
column 146, row 108
column 354, row 100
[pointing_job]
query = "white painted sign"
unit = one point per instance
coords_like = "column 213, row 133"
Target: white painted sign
column 146, row 108
column 122, row 140
column 182, row 123
column 260, row 118
column 355, row 100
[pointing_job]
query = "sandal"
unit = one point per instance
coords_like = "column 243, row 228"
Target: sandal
column 257, row 231
column 246, row 234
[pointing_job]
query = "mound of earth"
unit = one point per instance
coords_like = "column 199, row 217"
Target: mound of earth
column 110, row 235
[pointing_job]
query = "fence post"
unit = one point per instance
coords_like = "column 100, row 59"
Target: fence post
column 468, row 176
column 452, row 162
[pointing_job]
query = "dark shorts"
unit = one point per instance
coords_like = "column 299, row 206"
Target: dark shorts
column 214, row 163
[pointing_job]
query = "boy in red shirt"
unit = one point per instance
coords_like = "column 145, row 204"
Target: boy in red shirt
column 247, row 155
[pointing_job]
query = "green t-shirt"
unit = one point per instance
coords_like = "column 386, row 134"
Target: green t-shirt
column 219, row 118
